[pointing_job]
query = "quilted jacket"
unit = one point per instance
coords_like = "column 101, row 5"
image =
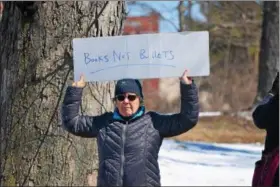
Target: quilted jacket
column 266, row 116
column 128, row 150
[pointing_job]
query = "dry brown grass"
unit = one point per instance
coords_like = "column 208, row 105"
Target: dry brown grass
column 224, row 129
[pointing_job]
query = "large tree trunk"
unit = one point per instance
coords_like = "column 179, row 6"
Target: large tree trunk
column 9, row 56
column 269, row 53
column 36, row 66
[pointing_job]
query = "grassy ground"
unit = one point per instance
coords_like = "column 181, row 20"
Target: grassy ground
column 224, row 129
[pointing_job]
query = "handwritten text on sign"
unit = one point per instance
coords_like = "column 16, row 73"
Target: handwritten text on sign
column 116, row 56
column 141, row 56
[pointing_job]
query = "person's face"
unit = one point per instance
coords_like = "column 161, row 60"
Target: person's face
column 127, row 104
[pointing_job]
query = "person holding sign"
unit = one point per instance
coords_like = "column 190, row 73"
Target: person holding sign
column 129, row 139
column 266, row 116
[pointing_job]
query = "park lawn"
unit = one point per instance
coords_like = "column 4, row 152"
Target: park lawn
column 224, row 129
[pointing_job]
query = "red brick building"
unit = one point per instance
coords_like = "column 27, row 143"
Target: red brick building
column 144, row 25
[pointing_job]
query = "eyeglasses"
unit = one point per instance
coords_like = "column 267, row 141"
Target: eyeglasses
column 129, row 97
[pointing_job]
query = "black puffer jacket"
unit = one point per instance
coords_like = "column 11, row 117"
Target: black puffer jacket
column 128, row 150
column 266, row 116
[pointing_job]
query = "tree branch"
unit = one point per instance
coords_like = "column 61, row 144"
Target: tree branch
column 47, row 130
column 96, row 19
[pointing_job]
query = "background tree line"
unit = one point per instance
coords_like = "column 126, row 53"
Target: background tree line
column 36, row 66
column 244, row 43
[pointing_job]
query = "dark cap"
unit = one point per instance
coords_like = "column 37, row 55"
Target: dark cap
column 129, row 85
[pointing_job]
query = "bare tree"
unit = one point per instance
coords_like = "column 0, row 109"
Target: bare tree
column 234, row 29
column 36, row 66
column 269, row 48
column 181, row 12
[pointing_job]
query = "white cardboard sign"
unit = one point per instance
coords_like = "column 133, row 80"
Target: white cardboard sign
column 141, row 56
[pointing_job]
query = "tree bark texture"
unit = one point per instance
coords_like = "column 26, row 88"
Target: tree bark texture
column 36, row 66
column 269, row 53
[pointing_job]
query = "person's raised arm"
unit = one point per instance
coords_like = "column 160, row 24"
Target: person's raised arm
column 79, row 125
column 175, row 124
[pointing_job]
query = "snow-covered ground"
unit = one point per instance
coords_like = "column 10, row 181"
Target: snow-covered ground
column 207, row 164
